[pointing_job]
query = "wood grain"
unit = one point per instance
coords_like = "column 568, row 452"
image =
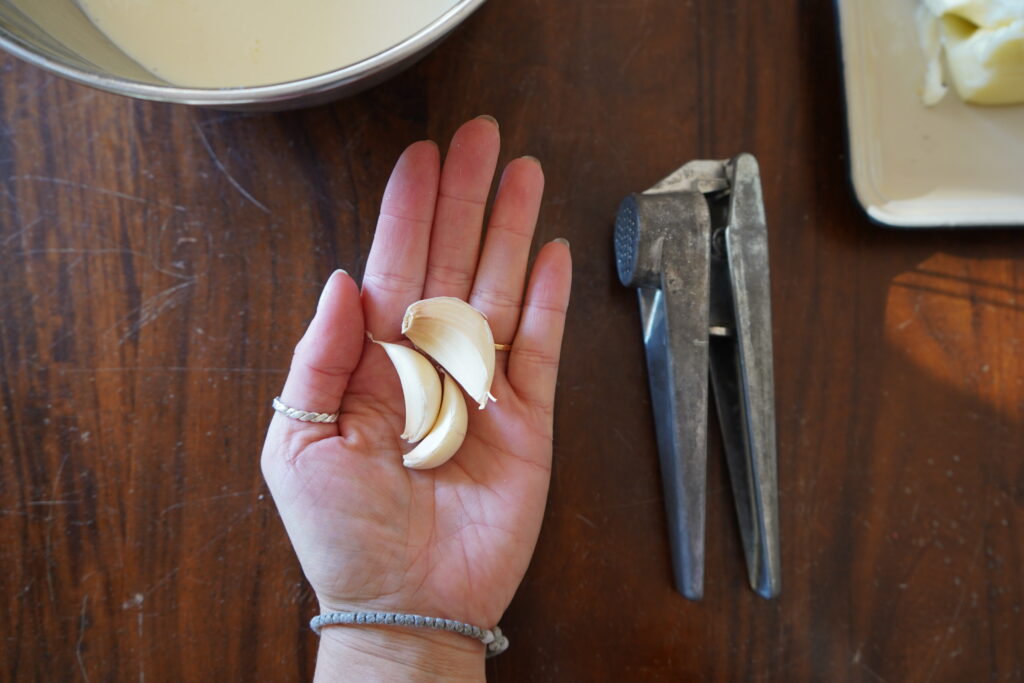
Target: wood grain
column 157, row 263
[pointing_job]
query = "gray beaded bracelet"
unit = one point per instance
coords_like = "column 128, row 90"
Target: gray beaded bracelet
column 494, row 640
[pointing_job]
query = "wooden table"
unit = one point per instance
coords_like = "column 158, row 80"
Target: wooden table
column 157, row 264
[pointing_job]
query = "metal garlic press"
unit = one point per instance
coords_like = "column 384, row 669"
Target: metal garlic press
column 696, row 247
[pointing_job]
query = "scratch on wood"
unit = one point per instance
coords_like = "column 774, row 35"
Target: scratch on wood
column 200, row 501
column 220, row 167
column 199, row 551
column 106, row 250
column 93, row 188
column 140, row 618
column 155, row 306
column 81, row 637
column 18, row 233
column 956, row 610
column 227, row 117
column 181, row 368
column 34, row 252
column 137, row 603
column 859, row 661
column 156, row 368
column 48, row 559
column 585, row 521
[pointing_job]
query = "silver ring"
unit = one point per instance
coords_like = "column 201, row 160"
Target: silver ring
column 302, row 415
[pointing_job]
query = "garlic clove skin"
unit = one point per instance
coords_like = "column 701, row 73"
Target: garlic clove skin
column 447, row 434
column 459, row 338
column 421, row 388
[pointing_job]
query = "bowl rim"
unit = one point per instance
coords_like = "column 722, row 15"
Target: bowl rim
column 258, row 94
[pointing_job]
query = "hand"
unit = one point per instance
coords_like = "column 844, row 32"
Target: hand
column 454, row 541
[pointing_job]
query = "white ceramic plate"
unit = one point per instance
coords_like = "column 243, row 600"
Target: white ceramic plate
column 914, row 166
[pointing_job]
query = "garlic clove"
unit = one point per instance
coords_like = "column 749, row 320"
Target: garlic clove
column 446, row 435
column 457, row 336
column 421, row 388
column 985, row 64
column 983, row 41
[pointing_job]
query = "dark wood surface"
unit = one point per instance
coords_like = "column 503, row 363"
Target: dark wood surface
column 157, row 264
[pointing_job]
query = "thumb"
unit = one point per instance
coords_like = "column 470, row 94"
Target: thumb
column 327, row 354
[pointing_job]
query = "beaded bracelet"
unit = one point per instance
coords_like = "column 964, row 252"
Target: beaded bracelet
column 494, row 640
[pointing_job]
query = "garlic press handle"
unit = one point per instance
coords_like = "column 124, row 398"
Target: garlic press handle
column 670, row 266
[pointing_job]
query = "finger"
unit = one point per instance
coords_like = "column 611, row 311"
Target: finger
column 458, row 220
column 498, row 288
column 325, row 357
column 533, row 362
column 398, row 258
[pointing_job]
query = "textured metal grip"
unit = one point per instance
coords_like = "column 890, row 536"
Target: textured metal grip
column 643, row 225
column 627, row 240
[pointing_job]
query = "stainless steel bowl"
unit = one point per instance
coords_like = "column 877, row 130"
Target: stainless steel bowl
column 57, row 36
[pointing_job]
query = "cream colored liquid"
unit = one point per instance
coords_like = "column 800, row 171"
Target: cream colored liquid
column 232, row 43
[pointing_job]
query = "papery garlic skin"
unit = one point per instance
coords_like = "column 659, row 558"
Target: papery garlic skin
column 459, row 338
column 446, row 435
column 421, row 388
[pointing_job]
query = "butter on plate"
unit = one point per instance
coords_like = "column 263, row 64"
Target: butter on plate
column 983, row 41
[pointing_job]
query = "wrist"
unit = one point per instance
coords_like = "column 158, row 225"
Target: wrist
column 368, row 652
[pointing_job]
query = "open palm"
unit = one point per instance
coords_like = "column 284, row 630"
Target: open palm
column 454, row 541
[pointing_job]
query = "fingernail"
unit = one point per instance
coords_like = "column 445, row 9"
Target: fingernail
column 488, row 117
column 332, row 283
column 533, row 159
column 562, row 240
